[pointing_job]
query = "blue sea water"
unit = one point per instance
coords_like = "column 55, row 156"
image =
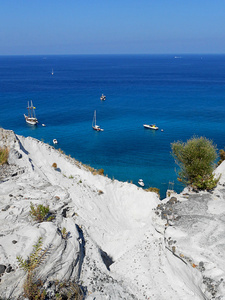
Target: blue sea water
column 184, row 96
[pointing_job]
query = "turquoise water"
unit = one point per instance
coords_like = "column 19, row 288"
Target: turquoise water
column 183, row 96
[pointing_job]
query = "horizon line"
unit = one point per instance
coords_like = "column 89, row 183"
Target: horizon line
column 110, row 54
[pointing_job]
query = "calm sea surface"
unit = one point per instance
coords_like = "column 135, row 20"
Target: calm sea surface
column 184, row 96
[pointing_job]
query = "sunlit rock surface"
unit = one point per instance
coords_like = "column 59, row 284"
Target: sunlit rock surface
column 122, row 242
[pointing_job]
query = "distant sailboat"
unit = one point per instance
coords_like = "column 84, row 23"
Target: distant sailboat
column 52, row 72
column 94, row 126
column 31, row 117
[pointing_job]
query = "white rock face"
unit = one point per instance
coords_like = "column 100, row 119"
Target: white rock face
column 122, row 242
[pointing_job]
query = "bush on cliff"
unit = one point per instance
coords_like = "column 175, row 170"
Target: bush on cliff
column 33, row 287
column 4, row 154
column 196, row 159
column 154, row 190
column 222, row 156
column 40, row 213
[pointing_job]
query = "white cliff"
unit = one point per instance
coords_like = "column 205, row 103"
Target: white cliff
column 122, row 242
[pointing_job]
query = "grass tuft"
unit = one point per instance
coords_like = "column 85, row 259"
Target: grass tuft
column 4, row 154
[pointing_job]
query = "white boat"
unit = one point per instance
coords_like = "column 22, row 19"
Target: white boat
column 55, row 141
column 103, row 97
column 94, row 126
column 52, row 72
column 152, row 126
column 31, row 117
column 141, row 182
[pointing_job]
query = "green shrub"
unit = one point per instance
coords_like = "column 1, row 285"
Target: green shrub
column 40, row 213
column 196, row 159
column 205, row 182
column 64, row 233
column 222, row 156
column 4, row 154
column 33, row 287
column 34, row 259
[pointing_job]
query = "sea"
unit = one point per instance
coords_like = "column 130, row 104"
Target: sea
column 184, row 95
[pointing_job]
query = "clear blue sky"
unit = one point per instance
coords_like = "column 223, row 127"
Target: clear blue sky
column 111, row 26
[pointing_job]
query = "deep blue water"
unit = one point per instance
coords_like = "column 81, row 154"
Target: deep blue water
column 183, row 96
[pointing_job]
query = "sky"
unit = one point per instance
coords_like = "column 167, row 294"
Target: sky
column 36, row 27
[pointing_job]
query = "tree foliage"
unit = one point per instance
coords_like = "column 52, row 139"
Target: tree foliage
column 196, row 159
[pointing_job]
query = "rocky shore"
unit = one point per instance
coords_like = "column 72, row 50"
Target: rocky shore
column 112, row 239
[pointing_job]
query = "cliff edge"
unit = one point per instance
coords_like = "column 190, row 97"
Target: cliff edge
column 115, row 240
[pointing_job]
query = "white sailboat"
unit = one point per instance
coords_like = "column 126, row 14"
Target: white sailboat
column 94, row 126
column 31, row 117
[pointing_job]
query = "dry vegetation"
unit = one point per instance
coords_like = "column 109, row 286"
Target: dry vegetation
column 153, row 189
column 4, row 154
column 33, row 288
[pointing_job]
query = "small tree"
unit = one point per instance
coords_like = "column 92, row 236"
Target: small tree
column 196, row 159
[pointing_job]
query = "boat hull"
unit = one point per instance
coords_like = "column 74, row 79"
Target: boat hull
column 97, row 128
column 31, row 121
column 140, row 182
column 103, row 97
column 153, row 127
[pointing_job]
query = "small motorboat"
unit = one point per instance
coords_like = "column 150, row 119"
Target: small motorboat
column 141, row 182
column 152, row 126
column 43, row 125
column 55, row 141
column 103, row 97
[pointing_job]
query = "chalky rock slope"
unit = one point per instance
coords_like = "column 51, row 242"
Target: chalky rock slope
column 122, row 242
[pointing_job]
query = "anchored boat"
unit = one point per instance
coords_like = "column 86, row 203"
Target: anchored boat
column 94, row 126
column 103, row 97
column 31, row 117
column 141, row 182
column 152, row 126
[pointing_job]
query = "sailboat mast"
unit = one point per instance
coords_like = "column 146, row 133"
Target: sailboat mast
column 94, row 119
column 33, row 109
column 28, row 108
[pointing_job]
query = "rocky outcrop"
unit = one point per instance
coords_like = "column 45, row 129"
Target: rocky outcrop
column 115, row 240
